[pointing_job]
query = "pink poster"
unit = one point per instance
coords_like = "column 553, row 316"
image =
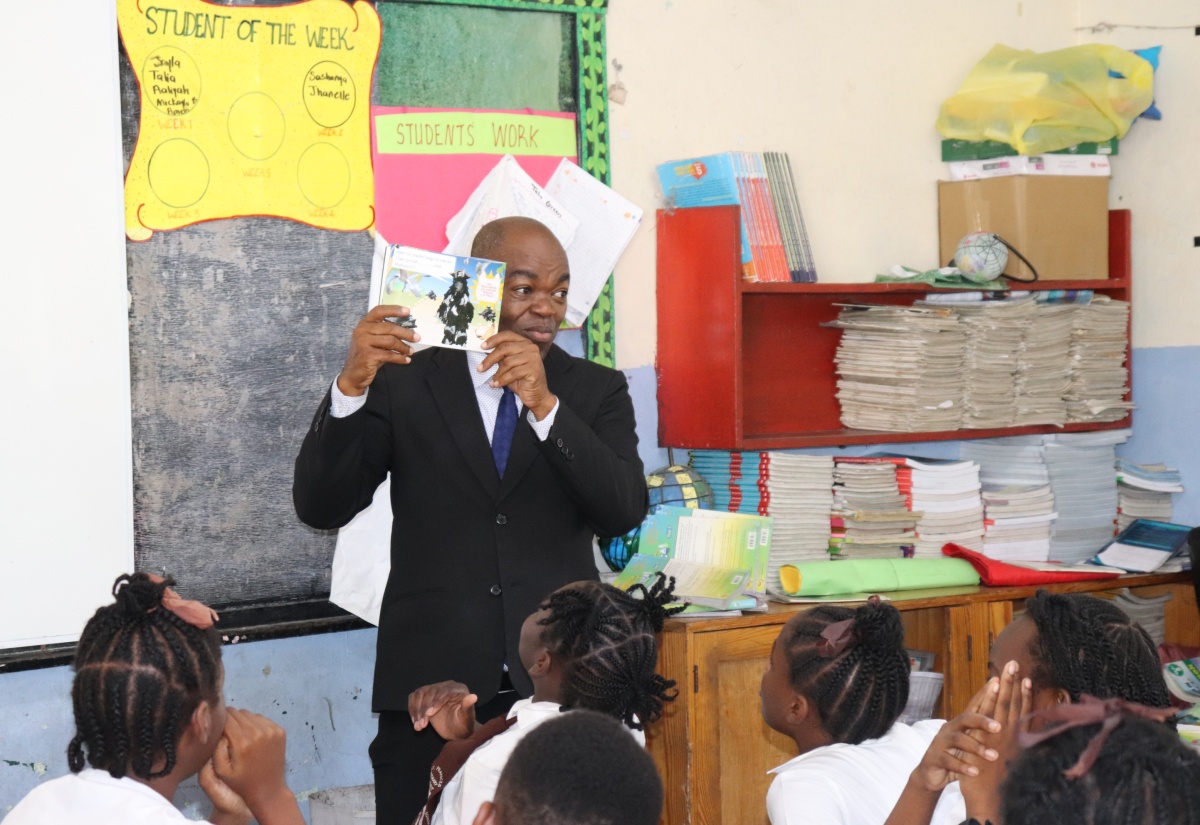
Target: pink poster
column 429, row 161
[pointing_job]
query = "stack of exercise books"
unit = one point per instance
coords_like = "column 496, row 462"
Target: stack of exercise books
column 900, row 368
column 870, row 518
column 1144, row 491
column 1085, row 491
column 795, row 490
column 1148, row 611
column 1099, row 348
column 775, row 243
column 1016, row 520
column 1044, row 366
column 945, row 493
column 996, row 332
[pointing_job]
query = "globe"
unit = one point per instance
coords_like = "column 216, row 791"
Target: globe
column 675, row 485
column 981, row 256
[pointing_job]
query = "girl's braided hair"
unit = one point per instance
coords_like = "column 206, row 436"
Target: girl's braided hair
column 140, row 672
column 605, row 637
column 1089, row 645
column 861, row 690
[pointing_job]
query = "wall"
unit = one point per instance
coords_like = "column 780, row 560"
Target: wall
column 851, row 92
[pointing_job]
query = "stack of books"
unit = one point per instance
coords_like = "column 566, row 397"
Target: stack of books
column 775, row 243
column 1144, row 491
column 795, row 491
column 1044, row 366
column 1016, row 521
column 900, row 368
column 996, row 332
column 1099, row 347
column 870, row 518
column 945, row 494
column 1150, row 612
column 1014, row 460
column 1085, row 492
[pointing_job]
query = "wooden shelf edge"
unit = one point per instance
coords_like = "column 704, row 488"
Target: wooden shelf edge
column 846, row 437
column 868, row 287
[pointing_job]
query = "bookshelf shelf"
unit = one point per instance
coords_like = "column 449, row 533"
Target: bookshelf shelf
column 766, row 342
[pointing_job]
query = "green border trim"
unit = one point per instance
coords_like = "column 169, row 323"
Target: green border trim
column 566, row 6
column 598, row 329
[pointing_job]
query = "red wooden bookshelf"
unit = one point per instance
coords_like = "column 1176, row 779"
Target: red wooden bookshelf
column 745, row 366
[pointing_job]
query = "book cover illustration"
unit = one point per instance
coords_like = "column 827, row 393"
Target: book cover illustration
column 453, row 300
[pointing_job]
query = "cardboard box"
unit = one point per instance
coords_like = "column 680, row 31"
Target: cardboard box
column 1093, row 165
column 1058, row 222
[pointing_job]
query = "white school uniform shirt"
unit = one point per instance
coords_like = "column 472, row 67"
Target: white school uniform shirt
column 475, row 782
column 93, row 797
column 844, row 784
column 951, row 808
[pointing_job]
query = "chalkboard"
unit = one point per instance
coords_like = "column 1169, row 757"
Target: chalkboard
column 237, row 327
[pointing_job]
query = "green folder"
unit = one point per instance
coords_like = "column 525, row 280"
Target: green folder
column 832, row 578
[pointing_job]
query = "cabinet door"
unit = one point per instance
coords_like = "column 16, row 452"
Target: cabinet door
column 732, row 748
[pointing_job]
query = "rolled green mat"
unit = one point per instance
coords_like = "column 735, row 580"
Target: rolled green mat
column 832, row 578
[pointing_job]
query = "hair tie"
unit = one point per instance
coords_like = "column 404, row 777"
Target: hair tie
column 197, row 614
column 1109, row 713
column 836, row 638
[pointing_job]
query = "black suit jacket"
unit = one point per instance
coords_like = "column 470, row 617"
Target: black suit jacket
column 473, row 555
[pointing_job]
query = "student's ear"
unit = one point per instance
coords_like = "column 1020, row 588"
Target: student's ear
column 486, row 815
column 541, row 665
column 1061, row 697
column 798, row 708
column 202, row 722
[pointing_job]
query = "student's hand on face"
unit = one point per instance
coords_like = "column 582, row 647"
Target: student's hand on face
column 228, row 807
column 448, row 706
column 250, row 760
column 1012, row 700
column 373, row 343
column 955, row 752
column 520, row 369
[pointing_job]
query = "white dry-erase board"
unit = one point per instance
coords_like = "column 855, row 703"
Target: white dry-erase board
column 66, row 502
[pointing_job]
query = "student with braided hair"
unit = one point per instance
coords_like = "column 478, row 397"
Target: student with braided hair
column 836, row 683
column 1141, row 775
column 1065, row 646
column 589, row 646
column 149, row 714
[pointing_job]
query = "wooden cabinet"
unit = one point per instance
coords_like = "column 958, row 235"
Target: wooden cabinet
column 746, row 366
column 712, row 747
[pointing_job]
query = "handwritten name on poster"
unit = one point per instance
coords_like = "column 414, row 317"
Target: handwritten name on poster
column 250, row 111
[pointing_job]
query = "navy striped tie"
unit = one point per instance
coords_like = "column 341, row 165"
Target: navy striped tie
column 506, row 425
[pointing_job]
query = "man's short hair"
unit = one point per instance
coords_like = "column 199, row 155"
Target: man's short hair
column 583, row 768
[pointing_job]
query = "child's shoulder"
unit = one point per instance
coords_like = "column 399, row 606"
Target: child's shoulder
column 93, row 797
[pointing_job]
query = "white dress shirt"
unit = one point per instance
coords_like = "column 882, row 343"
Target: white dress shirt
column 342, row 405
column 849, row 784
column 475, row 782
column 92, row 797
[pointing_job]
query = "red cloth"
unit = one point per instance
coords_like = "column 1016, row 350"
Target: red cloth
column 1000, row 574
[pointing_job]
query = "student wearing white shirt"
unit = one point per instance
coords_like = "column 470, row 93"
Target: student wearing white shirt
column 149, row 714
column 836, row 684
column 1065, row 646
column 588, row 646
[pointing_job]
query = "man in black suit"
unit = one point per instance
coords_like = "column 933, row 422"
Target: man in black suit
column 482, row 531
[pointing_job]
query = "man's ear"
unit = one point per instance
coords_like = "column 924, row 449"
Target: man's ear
column 486, row 815
column 201, row 723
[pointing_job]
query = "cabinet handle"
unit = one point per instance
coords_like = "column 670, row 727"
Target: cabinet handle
column 970, row 649
column 695, row 678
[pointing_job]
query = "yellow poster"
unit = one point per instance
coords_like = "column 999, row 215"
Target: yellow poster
column 260, row 110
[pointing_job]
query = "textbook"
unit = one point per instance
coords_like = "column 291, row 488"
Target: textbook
column 453, row 300
column 1183, row 679
column 1144, row 546
column 718, row 559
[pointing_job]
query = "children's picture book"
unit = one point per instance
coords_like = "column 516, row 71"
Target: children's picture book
column 1183, row 679
column 453, row 300
column 1144, row 546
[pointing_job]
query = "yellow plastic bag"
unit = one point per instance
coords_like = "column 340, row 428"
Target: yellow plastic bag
column 1042, row 102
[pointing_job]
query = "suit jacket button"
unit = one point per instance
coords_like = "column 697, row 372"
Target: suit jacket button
column 495, row 591
column 501, row 518
column 558, row 443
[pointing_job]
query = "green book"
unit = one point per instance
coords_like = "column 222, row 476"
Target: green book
column 986, row 149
